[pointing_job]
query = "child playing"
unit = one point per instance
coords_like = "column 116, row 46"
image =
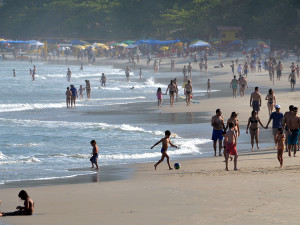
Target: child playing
column 81, row 89
column 231, row 146
column 26, row 210
column 165, row 143
column 94, row 158
column 159, row 97
column 280, row 145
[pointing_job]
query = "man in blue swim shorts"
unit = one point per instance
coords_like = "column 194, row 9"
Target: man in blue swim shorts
column 217, row 122
column 294, row 125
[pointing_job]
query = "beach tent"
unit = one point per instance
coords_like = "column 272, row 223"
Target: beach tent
column 200, row 44
column 131, row 46
column 156, row 42
column 76, row 42
column 15, row 42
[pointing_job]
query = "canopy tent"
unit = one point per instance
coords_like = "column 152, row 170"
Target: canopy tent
column 35, row 42
column 156, row 42
column 131, row 46
column 235, row 42
column 200, row 44
column 76, row 42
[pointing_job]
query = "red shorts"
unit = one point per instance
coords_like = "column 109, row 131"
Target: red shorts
column 231, row 149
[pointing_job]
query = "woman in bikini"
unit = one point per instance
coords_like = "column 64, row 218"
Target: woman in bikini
column 172, row 89
column 254, row 129
column 271, row 101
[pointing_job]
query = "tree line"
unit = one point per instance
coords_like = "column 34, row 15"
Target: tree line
column 277, row 20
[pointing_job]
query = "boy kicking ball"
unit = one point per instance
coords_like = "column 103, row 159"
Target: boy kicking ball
column 165, row 144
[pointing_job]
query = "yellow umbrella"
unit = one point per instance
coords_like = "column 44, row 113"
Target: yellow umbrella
column 261, row 43
column 164, row 48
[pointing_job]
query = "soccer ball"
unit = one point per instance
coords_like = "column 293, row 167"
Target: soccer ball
column 177, row 166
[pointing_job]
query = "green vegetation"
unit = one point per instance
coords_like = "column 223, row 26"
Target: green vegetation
column 278, row 20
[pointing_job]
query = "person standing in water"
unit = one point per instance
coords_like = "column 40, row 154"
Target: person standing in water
column 217, row 122
column 103, row 80
column 208, row 86
column 33, row 73
column 127, row 72
column 88, row 89
column 81, row 67
column 141, row 73
column 95, row 152
column 68, row 97
column 74, row 96
column 69, row 74
column 165, row 144
column 14, row 73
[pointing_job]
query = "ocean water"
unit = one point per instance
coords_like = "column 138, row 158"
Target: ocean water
column 40, row 139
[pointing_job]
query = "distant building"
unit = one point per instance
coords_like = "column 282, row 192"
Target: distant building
column 228, row 34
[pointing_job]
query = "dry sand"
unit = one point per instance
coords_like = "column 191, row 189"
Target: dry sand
column 201, row 192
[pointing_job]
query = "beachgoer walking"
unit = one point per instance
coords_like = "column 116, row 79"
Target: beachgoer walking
column 255, row 100
column 294, row 125
column 165, row 144
column 292, row 80
column 217, row 122
column 27, row 209
column 242, row 84
column 246, row 69
column 254, row 129
column 184, row 70
column 232, row 67
column 285, row 122
column 277, row 122
column 189, row 68
column 172, row 89
column 280, row 146
column 176, row 88
column 188, row 91
column 298, row 70
column 239, row 69
column 230, row 146
column 159, row 97
column 271, row 101
column 234, row 86
column 95, row 152
column 279, row 69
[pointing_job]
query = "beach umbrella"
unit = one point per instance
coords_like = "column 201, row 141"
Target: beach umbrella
column 200, row 44
column 264, row 46
column 128, row 42
column 121, row 45
column 164, row 48
column 111, row 43
column 131, row 46
column 179, row 44
column 261, row 43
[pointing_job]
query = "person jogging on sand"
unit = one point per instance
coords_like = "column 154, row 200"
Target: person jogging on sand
column 165, row 144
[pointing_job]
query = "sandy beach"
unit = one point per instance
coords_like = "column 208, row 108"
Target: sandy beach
column 201, row 192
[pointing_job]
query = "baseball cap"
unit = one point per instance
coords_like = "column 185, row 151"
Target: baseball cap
column 277, row 106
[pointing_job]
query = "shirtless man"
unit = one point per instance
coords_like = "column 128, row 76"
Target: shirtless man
column 188, row 90
column 292, row 79
column 285, row 122
column 279, row 68
column 294, row 125
column 255, row 100
column 189, row 67
column 217, row 122
column 243, row 84
column 230, row 141
column 293, row 67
